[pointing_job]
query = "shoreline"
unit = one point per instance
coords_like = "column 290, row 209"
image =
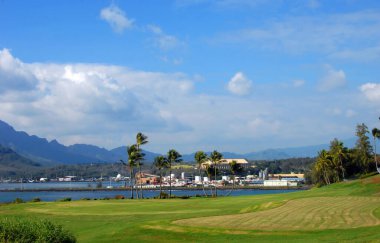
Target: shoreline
column 153, row 189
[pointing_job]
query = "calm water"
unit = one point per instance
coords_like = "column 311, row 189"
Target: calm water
column 76, row 195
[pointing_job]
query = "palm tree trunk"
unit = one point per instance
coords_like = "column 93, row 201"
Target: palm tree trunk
column 160, row 184
column 203, row 185
column 141, row 190
column 136, row 189
column 374, row 142
column 170, row 181
column 233, row 186
column 341, row 166
column 216, row 192
column 131, row 181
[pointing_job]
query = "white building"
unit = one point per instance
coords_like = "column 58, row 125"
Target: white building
column 224, row 164
column 275, row 183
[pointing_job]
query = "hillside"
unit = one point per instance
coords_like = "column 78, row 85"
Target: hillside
column 12, row 163
column 52, row 152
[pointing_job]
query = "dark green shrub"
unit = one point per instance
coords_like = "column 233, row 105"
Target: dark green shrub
column 36, row 199
column 27, row 230
column 66, row 199
column 85, row 199
column 18, row 200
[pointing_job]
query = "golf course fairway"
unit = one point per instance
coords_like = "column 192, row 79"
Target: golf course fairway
column 343, row 212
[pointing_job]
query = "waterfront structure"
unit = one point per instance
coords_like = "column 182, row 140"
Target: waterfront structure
column 279, row 183
column 147, row 179
column 225, row 164
column 289, row 177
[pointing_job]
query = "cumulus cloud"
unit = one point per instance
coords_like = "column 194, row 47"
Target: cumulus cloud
column 333, row 79
column 116, row 18
column 239, row 84
column 81, row 98
column 371, row 91
column 13, row 73
column 106, row 105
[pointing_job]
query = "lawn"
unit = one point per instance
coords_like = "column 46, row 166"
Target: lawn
column 348, row 211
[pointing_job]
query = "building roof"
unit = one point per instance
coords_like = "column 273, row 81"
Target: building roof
column 227, row 161
column 290, row 175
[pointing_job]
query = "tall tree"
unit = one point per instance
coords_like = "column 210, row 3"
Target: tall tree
column 216, row 158
column 363, row 149
column 141, row 139
column 339, row 154
column 134, row 155
column 173, row 158
column 376, row 135
column 323, row 167
column 200, row 158
column 161, row 163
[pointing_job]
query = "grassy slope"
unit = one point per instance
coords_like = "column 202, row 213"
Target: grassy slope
column 152, row 220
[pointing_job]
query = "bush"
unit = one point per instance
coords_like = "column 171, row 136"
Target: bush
column 36, row 199
column 119, row 197
column 26, row 230
column 66, row 199
column 164, row 195
column 18, row 200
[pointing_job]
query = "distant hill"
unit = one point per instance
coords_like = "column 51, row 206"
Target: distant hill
column 52, row 153
column 12, row 163
column 38, row 149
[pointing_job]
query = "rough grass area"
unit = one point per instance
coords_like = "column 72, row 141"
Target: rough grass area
column 344, row 212
column 29, row 230
column 301, row 214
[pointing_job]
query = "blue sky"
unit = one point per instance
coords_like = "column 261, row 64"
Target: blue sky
column 231, row 75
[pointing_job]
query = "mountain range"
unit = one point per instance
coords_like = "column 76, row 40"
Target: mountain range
column 45, row 152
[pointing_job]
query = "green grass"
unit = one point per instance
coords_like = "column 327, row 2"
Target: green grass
column 344, row 212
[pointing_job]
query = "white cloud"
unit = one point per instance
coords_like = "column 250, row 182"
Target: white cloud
column 106, row 105
column 239, row 84
column 83, row 98
column 332, row 80
column 371, row 91
column 13, row 75
column 116, row 18
column 164, row 41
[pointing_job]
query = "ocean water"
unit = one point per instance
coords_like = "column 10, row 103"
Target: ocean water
column 9, row 196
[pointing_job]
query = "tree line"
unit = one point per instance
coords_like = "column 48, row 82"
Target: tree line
column 339, row 163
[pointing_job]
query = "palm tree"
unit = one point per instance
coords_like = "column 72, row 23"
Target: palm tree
column 140, row 140
column 324, row 163
column 201, row 157
column 376, row 135
column 235, row 167
column 173, row 157
column 215, row 158
column 161, row 162
column 133, row 156
column 339, row 153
